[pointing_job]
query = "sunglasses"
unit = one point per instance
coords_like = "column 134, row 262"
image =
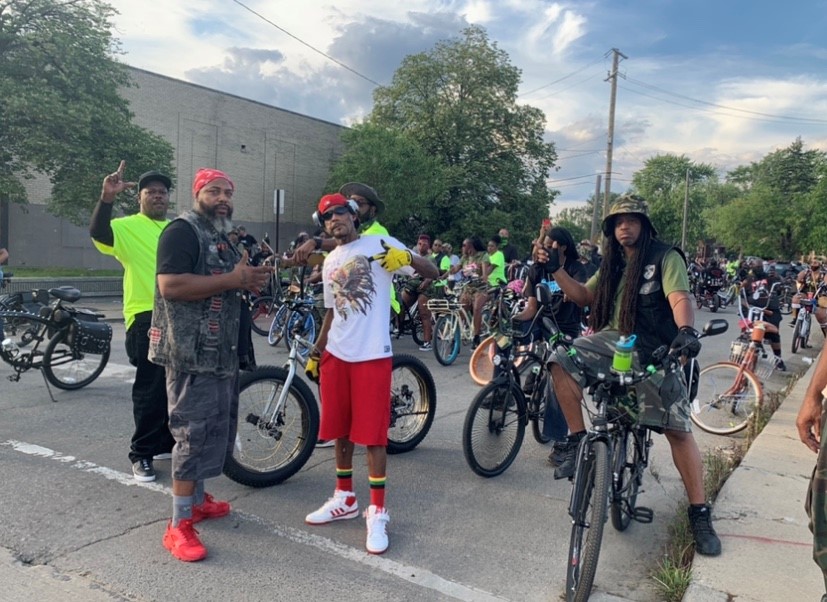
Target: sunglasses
column 335, row 211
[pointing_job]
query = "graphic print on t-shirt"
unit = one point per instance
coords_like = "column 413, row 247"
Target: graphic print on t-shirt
column 353, row 287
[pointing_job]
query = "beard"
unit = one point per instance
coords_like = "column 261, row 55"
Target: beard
column 220, row 222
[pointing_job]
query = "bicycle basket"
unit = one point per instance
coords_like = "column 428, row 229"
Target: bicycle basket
column 90, row 337
column 765, row 364
column 442, row 306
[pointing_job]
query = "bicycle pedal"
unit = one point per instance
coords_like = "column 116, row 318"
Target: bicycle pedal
column 643, row 515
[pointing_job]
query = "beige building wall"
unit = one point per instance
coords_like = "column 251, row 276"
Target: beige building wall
column 261, row 147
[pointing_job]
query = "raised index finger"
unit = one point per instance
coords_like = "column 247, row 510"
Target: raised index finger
column 121, row 167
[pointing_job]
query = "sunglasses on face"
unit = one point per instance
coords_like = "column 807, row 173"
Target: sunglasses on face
column 335, row 211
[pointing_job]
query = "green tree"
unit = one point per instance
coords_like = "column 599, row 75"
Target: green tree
column 783, row 196
column 60, row 112
column 662, row 182
column 412, row 184
column 458, row 102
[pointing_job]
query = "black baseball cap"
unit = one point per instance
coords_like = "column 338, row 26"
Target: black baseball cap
column 153, row 176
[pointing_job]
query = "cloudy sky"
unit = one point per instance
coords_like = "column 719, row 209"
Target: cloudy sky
column 723, row 82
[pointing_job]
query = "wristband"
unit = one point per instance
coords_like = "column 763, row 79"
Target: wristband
column 318, row 241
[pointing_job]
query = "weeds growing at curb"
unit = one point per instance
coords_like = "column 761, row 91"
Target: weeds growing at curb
column 673, row 573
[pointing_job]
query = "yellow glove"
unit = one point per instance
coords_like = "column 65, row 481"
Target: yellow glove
column 392, row 258
column 311, row 369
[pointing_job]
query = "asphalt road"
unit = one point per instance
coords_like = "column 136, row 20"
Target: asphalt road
column 75, row 523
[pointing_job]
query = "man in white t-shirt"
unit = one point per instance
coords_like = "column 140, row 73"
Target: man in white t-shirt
column 353, row 358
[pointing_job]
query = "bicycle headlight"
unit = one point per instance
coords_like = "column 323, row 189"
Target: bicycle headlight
column 498, row 360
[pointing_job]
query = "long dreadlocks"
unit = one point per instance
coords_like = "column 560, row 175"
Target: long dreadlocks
column 611, row 272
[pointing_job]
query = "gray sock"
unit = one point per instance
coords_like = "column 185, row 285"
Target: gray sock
column 199, row 492
column 181, row 508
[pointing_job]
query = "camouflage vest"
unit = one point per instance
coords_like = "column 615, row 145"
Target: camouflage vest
column 200, row 337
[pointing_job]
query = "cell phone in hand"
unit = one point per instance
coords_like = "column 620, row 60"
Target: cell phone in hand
column 547, row 223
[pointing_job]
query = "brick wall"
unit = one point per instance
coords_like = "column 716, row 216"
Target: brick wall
column 261, row 147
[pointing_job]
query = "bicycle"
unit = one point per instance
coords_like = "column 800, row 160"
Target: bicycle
column 611, row 458
column 804, row 320
column 408, row 321
column 278, row 417
column 77, row 343
column 454, row 325
column 496, row 420
column 263, row 307
column 730, row 392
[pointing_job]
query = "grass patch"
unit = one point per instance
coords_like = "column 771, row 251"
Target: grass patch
column 33, row 272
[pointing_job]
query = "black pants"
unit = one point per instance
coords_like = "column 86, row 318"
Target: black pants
column 149, row 395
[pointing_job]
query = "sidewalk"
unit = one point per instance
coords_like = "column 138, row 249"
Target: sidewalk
column 759, row 515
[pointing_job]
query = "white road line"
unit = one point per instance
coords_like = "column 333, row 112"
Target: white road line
column 412, row 574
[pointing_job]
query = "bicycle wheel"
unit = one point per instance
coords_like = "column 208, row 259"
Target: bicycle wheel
column 590, row 496
column 626, row 458
column 494, row 428
column 480, row 365
column 726, row 398
column 715, row 303
column 447, row 339
column 796, row 342
column 276, row 331
column 413, row 403
column 302, row 321
column 537, row 401
column 261, row 313
column 68, row 369
column 786, row 304
column 417, row 330
column 270, row 448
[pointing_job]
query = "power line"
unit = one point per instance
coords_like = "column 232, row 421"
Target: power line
column 313, row 48
column 565, row 77
column 769, row 116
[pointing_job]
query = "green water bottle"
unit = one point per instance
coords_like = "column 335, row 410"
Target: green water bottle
column 622, row 360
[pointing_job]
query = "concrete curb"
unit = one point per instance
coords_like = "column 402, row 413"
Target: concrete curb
column 759, row 515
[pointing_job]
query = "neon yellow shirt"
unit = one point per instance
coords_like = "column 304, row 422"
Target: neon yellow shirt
column 136, row 247
column 497, row 275
column 377, row 229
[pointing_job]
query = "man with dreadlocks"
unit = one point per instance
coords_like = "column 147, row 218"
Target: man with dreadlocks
column 641, row 288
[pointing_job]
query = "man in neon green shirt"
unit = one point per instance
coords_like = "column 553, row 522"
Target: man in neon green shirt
column 133, row 241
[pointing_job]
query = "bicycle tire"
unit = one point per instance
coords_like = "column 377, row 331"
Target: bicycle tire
column 537, row 403
column 413, row 403
column 715, row 304
column 494, row 428
column 480, row 366
column 68, row 369
column 418, row 330
column 720, row 410
column 266, row 454
column 303, row 319
column 276, row 331
column 796, row 341
column 261, row 315
column 447, row 339
column 626, row 457
column 591, row 491
column 786, row 304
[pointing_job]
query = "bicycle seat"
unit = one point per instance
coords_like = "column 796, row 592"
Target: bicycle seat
column 65, row 293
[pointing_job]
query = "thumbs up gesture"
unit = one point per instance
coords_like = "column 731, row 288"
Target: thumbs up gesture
column 391, row 259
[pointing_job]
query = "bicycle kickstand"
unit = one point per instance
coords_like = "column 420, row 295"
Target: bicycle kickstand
column 48, row 388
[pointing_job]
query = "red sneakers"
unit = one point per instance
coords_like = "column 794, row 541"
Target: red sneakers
column 209, row 509
column 183, row 543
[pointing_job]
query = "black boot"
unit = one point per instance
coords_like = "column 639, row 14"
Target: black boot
column 706, row 540
column 568, row 465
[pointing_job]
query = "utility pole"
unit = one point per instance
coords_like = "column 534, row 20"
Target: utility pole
column 685, row 211
column 616, row 54
column 595, row 210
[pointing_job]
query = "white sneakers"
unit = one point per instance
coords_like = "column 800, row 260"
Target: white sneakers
column 342, row 506
column 377, row 522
